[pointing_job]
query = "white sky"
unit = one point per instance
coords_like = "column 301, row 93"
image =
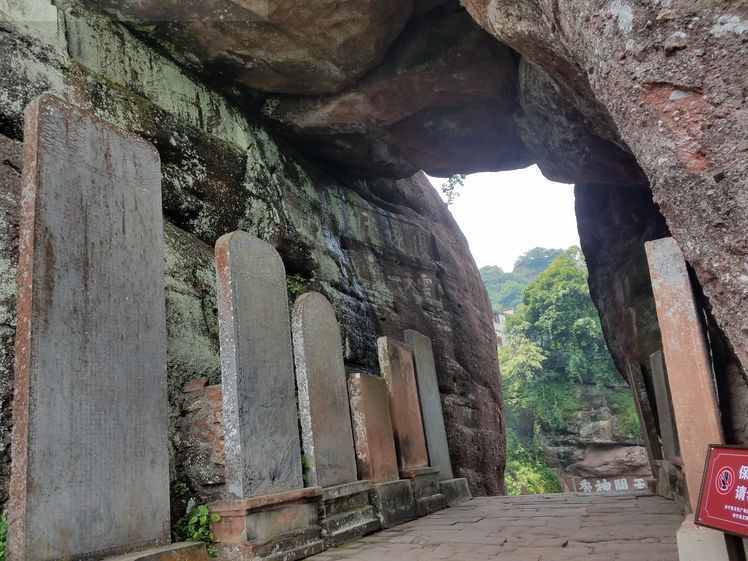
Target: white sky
column 504, row 214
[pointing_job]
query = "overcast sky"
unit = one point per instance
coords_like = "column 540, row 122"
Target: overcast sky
column 505, row 214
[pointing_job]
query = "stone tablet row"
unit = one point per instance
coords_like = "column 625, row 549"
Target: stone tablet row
column 90, row 474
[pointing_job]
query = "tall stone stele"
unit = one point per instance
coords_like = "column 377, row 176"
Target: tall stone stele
column 398, row 371
column 90, row 473
column 269, row 511
column 456, row 490
column 325, row 420
column 689, row 373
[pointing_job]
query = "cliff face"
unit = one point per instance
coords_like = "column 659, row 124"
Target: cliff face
column 600, row 441
column 305, row 122
column 385, row 251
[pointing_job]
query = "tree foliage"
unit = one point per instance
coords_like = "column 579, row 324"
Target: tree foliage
column 554, row 345
column 558, row 315
column 504, row 289
column 451, row 188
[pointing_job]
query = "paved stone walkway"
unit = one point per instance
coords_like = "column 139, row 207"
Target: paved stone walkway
column 533, row 528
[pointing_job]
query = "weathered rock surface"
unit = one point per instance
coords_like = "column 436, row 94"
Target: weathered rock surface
column 563, row 140
column 270, row 45
column 443, row 101
column 595, row 442
column 10, row 184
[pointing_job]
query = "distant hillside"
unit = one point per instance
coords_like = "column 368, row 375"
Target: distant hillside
column 505, row 289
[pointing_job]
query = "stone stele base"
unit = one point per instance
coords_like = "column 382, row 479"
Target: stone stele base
column 346, row 513
column 696, row 543
column 394, row 502
column 425, row 483
column 456, row 490
column 184, row 551
column 279, row 527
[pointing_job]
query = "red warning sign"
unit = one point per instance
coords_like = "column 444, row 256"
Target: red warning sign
column 723, row 502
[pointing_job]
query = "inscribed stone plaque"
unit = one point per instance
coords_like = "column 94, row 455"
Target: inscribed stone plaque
column 687, row 359
column 396, row 363
column 372, row 428
column 90, row 453
column 323, row 396
column 431, row 403
column 260, row 416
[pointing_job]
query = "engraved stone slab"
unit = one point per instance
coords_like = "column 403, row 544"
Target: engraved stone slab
column 686, row 359
column 263, row 453
column 431, row 403
column 324, row 412
column 90, row 469
column 396, row 363
column 372, row 428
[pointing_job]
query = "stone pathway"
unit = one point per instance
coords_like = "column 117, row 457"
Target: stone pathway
column 532, row 528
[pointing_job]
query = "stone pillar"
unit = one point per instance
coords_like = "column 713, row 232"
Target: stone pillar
column 664, row 406
column 456, row 490
column 689, row 369
column 691, row 384
column 396, row 363
column 90, row 473
column 431, row 403
column 375, row 449
column 372, row 427
column 271, row 511
column 325, row 418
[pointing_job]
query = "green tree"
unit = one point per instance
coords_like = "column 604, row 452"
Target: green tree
column 555, row 345
column 558, row 315
column 533, row 262
column 504, row 289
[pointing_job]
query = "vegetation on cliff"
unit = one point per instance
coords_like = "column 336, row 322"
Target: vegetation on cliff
column 555, row 346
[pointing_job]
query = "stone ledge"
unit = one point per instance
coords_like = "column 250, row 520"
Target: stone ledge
column 394, row 502
column 413, row 473
column 345, row 490
column 254, row 503
column 184, row 551
column 456, row 491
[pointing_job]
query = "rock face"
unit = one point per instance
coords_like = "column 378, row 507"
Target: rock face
column 275, row 46
column 596, row 443
column 385, row 252
column 443, row 101
column 642, row 105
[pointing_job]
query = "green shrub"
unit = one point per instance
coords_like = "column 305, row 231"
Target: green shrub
column 623, row 407
column 3, row 536
column 527, row 472
column 296, row 285
column 195, row 527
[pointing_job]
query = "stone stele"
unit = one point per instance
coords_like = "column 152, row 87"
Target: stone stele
column 90, row 473
column 261, row 438
column 431, row 403
column 323, row 396
column 687, row 360
column 396, row 363
column 372, row 428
